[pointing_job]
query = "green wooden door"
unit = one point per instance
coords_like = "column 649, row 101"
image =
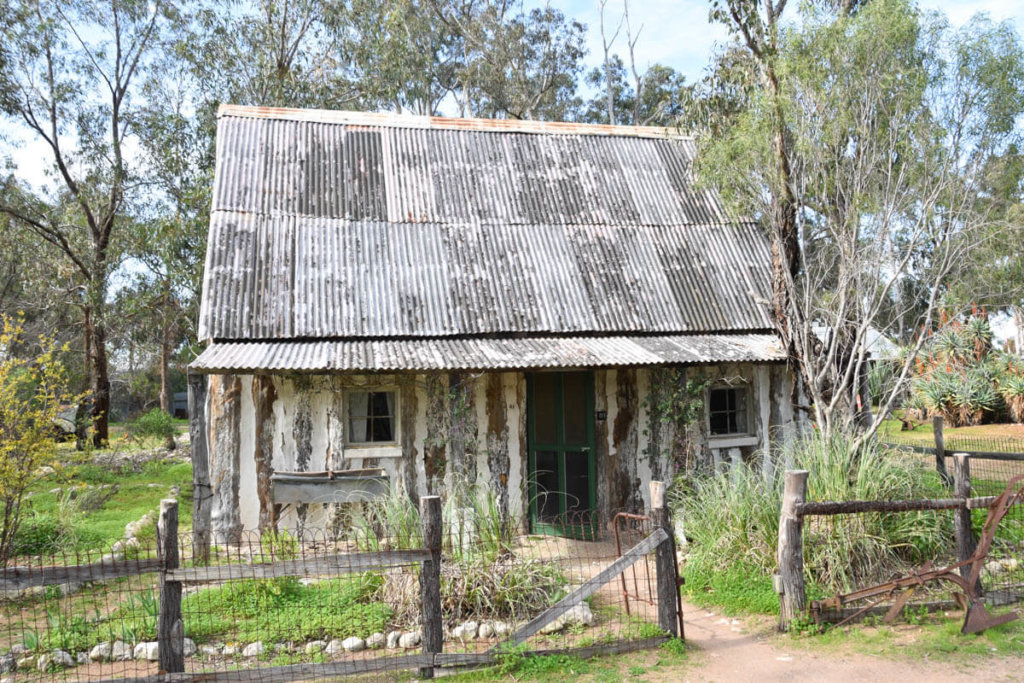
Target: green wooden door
column 561, row 444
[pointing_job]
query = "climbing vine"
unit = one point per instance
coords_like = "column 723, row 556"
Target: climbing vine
column 675, row 405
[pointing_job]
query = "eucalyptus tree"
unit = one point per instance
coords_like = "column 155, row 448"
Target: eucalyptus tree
column 70, row 79
column 664, row 99
column 859, row 146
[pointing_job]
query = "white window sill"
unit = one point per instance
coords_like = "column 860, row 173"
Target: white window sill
column 737, row 441
column 373, row 451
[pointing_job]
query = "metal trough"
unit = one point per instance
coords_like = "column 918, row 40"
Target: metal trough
column 344, row 486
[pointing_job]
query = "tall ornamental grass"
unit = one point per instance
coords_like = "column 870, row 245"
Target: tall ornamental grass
column 731, row 521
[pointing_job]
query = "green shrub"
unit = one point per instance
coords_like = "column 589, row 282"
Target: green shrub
column 40, row 534
column 155, row 423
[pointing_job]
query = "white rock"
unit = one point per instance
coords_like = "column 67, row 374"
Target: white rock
column 82, row 658
column 210, row 650
column 464, row 631
column 501, row 628
column 553, row 627
column 63, row 659
column 392, row 639
column 353, row 644
column 43, row 663
column 101, row 652
column 579, row 614
column 994, row 567
column 314, row 646
column 334, row 647
column 376, row 641
column 149, row 651
column 8, row 663
column 254, row 649
column 232, row 649
column 189, row 647
column 18, row 649
column 486, row 631
column 1010, row 564
column 409, row 640
column 26, row 663
column 120, row 651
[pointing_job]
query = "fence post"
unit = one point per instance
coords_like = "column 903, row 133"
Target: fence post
column 789, row 583
column 430, row 580
column 965, row 542
column 202, row 493
column 170, row 630
column 665, row 563
column 940, row 451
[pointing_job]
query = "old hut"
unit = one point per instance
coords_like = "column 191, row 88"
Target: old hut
column 550, row 310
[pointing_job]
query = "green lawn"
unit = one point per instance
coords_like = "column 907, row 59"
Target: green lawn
column 137, row 493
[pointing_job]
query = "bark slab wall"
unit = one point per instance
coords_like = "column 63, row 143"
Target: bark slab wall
column 457, row 429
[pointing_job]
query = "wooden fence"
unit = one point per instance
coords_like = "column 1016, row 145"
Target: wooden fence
column 789, row 580
column 170, row 627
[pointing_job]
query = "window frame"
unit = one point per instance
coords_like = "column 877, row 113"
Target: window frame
column 749, row 429
column 346, row 405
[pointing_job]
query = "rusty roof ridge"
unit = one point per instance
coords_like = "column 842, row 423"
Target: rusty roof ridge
column 393, row 120
column 498, row 336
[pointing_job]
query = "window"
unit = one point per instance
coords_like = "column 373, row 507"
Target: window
column 727, row 411
column 371, row 417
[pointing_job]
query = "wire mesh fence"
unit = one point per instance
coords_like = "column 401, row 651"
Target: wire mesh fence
column 318, row 604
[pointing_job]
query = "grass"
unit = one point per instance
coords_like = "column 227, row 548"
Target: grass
column 930, row 636
column 1003, row 436
column 282, row 610
column 663, row 663
column 134, row 498
column 732, row 522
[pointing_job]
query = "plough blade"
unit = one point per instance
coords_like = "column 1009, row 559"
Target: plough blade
column 978, row 619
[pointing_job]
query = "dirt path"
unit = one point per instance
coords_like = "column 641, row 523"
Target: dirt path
column 731, row 650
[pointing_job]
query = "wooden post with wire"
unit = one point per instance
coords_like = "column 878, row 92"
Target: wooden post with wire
column 665, row 563
column 430, row 580
column 170, row 629
column 789, row 581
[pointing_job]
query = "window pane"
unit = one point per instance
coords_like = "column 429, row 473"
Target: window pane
column 545, row 413
column 574, row 407
column 358, row 404
column 379, row 404
column 359, row 430
column 383, row 429
column 718, row 400
column 741, row 426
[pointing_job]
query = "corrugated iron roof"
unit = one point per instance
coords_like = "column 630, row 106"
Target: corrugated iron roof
column 486, row 354
column 351, row 225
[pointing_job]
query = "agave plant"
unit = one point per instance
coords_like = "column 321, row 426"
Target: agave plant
column 954, row 344
column 978, row 333
column 1011, row 386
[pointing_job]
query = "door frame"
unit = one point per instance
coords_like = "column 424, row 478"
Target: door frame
column 581, row 530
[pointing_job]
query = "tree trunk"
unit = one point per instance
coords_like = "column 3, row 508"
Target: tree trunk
column 100, row 386
column 1018, row 330
column 166, row 404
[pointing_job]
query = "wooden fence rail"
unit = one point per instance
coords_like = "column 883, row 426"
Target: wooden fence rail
column 789, row 579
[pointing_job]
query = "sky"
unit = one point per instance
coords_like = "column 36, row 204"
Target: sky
column 676, row 33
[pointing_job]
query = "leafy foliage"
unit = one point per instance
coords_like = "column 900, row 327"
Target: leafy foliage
column 32, row 389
